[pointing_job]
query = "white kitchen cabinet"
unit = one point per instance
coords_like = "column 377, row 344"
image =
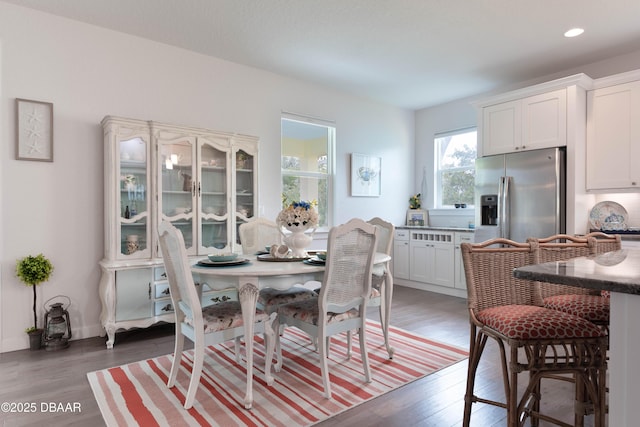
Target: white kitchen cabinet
column 401, row 254
column 613, row 137
column 432, row 257
column 460, row 280
column 202, row 181
column 529, row 123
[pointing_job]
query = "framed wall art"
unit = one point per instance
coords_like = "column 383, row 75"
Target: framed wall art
column 417, row 217
column 365, row 175
column 34, row 130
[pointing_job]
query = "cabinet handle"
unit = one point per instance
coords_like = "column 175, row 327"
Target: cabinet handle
column 166, row 292
column 193, row 189
column 633, row 183
column 149, row 290
column 199, row 190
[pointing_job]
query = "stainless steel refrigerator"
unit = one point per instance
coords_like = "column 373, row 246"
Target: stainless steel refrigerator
column 520, row 195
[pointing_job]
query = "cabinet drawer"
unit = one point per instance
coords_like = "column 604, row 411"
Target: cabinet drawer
column 464, row 238
column 161, row 290
column 401, row 235
column 162, row 307
column 159, row 274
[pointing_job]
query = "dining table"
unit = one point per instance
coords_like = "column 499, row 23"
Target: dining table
column 619, row 273
column 264, row 271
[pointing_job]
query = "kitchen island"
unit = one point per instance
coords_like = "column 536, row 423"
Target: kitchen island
column 619, row 273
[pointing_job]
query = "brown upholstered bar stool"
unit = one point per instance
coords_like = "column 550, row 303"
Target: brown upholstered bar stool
column 531, row 338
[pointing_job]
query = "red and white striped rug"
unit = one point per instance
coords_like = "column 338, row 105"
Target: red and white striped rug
column 136, row 394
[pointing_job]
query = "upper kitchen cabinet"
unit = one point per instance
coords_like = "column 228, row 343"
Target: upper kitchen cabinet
column 613, row 137
column 529, row 119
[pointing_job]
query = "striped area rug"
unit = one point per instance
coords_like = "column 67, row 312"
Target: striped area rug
column 136, row 394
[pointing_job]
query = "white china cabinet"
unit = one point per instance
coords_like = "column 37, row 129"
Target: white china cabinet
column 203, row 181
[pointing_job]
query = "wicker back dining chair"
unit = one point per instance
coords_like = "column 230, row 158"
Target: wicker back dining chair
column 382, row 279
column 530, row 338
column 255, row 235
column 344, row 294
column 258, row 233
column 204, row 327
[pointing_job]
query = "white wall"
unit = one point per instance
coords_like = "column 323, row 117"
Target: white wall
column 87, row 73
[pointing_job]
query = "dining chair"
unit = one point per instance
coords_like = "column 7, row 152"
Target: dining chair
column 382, row 279
column 207, row 326
column 255, row 235
column 530, row 338
column 344, row 295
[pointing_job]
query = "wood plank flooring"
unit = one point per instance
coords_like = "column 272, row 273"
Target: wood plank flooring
column 437, row 400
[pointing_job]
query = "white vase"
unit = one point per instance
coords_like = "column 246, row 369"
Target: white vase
column 298, row 240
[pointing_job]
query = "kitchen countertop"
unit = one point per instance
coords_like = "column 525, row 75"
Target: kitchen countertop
column 425, row 227
column 617, row 271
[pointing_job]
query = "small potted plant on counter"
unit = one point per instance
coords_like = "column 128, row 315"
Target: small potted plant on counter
column 33, row 270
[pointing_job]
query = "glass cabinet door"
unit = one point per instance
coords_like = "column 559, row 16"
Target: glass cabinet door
column 133, row 198
column 245, row 208
column 178, row 193
column 213, row 197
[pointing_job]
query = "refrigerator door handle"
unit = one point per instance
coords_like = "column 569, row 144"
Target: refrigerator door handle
column 506, row 212
column 501, row 207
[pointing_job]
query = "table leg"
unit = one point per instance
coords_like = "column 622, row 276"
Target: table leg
column 248, row 295
column 385, row 310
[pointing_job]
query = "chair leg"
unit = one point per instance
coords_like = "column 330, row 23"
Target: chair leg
column 385, row 310
column 324, row 365
column 364, row 354
column 198, row 359
column 278, row 350
column 238, row 349
column 177, row 355
column 476, row 346
column 269, row 337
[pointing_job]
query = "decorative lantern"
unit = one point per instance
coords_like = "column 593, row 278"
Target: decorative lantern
column 57, row 327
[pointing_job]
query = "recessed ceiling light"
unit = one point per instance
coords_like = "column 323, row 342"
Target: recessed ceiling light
column 574, row 32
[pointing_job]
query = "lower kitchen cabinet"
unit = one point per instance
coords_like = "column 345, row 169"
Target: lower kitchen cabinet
column 401, row 254
column 430, row 259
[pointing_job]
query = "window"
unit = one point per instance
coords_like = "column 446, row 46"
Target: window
column 307, row 164
column 455, row 167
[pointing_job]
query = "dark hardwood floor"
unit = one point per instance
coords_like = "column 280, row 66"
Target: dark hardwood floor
column 436, row 400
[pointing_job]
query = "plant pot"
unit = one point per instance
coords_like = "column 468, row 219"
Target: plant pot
column 35, row 339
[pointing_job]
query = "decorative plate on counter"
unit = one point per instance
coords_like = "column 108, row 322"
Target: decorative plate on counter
column 608, row 216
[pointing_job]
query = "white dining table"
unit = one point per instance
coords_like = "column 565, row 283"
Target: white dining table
column 249, row 278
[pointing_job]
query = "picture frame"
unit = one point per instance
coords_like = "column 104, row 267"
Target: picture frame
column 365, row 175
column 417, row 217
column 34, row 130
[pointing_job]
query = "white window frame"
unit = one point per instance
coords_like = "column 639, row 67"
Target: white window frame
column 438, row 171
column 329, row 175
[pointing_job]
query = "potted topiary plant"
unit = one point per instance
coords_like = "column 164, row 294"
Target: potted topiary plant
column 33, row 270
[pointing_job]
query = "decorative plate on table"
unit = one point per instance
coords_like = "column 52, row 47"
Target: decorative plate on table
column 271, row 258
column 608, row 216
column 208, row 263
column 314, row 260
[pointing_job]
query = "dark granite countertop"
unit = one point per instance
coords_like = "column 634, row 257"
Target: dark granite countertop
column 617, row 271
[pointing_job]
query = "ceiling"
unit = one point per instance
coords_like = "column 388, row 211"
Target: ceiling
column 408, row 53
